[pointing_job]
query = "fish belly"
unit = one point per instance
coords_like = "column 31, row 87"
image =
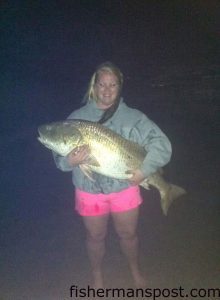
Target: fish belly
column 111, row 161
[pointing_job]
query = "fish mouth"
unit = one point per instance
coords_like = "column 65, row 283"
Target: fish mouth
column 42, row 141
column 40, row 138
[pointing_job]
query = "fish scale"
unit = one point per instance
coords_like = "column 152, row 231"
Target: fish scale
column 121, row 155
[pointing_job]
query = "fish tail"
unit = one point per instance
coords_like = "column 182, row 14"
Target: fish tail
column 168, row 191
column 169, row 196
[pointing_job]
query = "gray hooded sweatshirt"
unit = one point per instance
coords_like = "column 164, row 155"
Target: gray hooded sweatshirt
column 132, row 125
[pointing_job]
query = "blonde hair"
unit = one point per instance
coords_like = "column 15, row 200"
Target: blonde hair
column 104, row 67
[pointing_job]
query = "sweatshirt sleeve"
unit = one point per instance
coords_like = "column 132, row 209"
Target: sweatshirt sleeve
column 155, row 142
column 61, row 162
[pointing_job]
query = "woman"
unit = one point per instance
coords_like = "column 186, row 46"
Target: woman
column 96, row 200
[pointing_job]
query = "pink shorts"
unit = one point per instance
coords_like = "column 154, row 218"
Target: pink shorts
column 88, row 204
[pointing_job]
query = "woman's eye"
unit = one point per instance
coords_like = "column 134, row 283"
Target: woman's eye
column 102, row 85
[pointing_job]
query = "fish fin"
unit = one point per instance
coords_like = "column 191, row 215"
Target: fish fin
column 168, row 191
column 169, row 196
column 91, row 160
column 145, row 184
column 86, row 171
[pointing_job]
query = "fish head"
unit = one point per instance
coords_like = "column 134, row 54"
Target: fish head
column 60, row 137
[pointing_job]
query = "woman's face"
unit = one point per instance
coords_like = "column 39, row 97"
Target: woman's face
column 106, row 89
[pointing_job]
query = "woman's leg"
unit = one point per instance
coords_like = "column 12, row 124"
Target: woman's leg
column 125, row 225
column 96, row 227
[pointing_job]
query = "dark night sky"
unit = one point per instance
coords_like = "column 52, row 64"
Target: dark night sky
column 50, row 49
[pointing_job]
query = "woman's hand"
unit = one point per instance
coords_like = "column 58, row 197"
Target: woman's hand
column 78, row 156
column 137, row 177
